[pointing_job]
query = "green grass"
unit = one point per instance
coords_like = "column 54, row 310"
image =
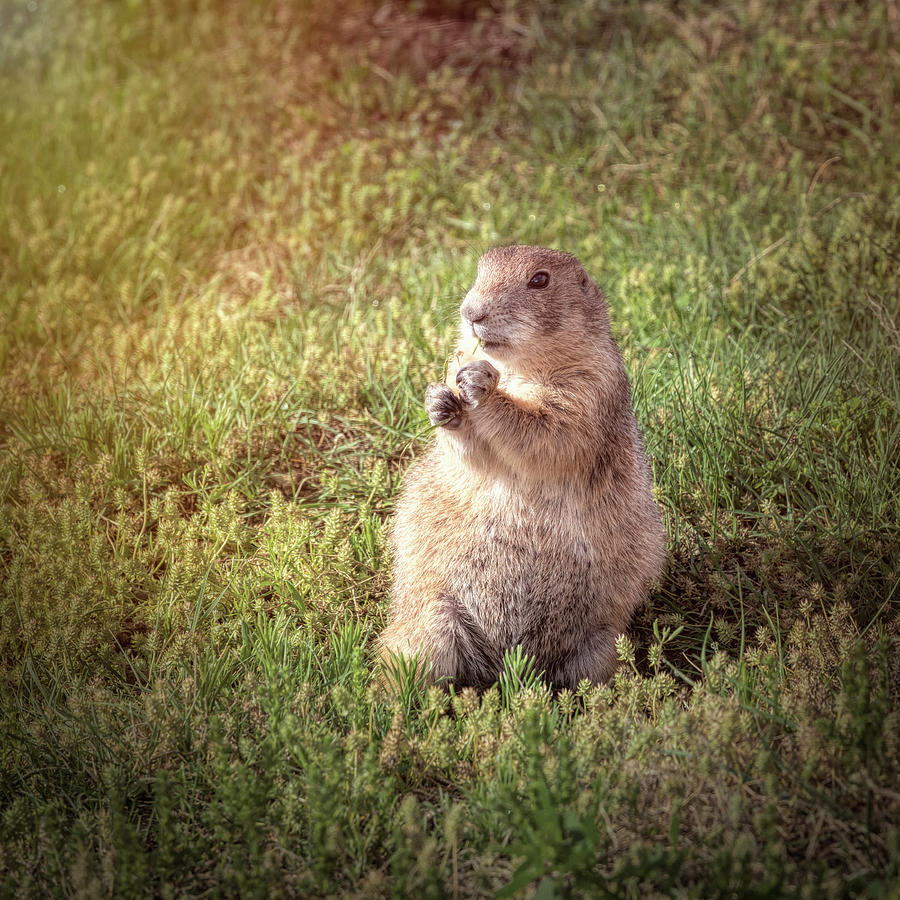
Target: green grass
column 233, row 238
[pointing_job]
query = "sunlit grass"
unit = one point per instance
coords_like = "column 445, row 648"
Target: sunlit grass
column 232, row 243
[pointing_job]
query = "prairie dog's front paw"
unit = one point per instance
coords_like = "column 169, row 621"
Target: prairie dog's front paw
column 443, row 406
column 476, row 380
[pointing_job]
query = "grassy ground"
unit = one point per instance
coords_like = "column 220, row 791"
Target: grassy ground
column 232, row 241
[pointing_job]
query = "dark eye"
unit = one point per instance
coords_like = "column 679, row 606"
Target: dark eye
column 539, row 280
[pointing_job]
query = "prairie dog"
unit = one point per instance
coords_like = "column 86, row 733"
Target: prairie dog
column 531, row 520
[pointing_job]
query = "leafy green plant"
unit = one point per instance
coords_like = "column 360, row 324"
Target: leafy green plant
column 518, row 674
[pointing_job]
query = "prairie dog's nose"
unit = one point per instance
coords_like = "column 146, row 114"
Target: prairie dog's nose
column 472, row 310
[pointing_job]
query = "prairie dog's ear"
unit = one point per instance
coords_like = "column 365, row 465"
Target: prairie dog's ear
column 595, row 302
column 591, row 290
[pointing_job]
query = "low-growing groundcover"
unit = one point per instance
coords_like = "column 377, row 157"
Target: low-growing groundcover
column 233, row 237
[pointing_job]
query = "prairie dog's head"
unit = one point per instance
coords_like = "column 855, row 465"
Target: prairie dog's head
column 532, row 302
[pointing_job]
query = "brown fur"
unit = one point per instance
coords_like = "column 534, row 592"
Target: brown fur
column 531, row 521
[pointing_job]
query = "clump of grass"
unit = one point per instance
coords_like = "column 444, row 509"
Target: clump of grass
column 229, row 261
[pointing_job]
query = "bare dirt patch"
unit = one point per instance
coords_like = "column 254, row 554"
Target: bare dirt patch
column 463, row 37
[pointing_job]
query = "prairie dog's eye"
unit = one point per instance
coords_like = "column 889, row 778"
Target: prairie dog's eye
column 539, row 280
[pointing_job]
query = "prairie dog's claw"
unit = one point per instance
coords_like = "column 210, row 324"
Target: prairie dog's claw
column 443, row 406
column 476, row 380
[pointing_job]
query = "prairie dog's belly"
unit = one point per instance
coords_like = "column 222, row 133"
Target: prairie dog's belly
column 526, row 558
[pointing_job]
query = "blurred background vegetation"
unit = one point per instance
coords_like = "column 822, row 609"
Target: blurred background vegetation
column 233, row 238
